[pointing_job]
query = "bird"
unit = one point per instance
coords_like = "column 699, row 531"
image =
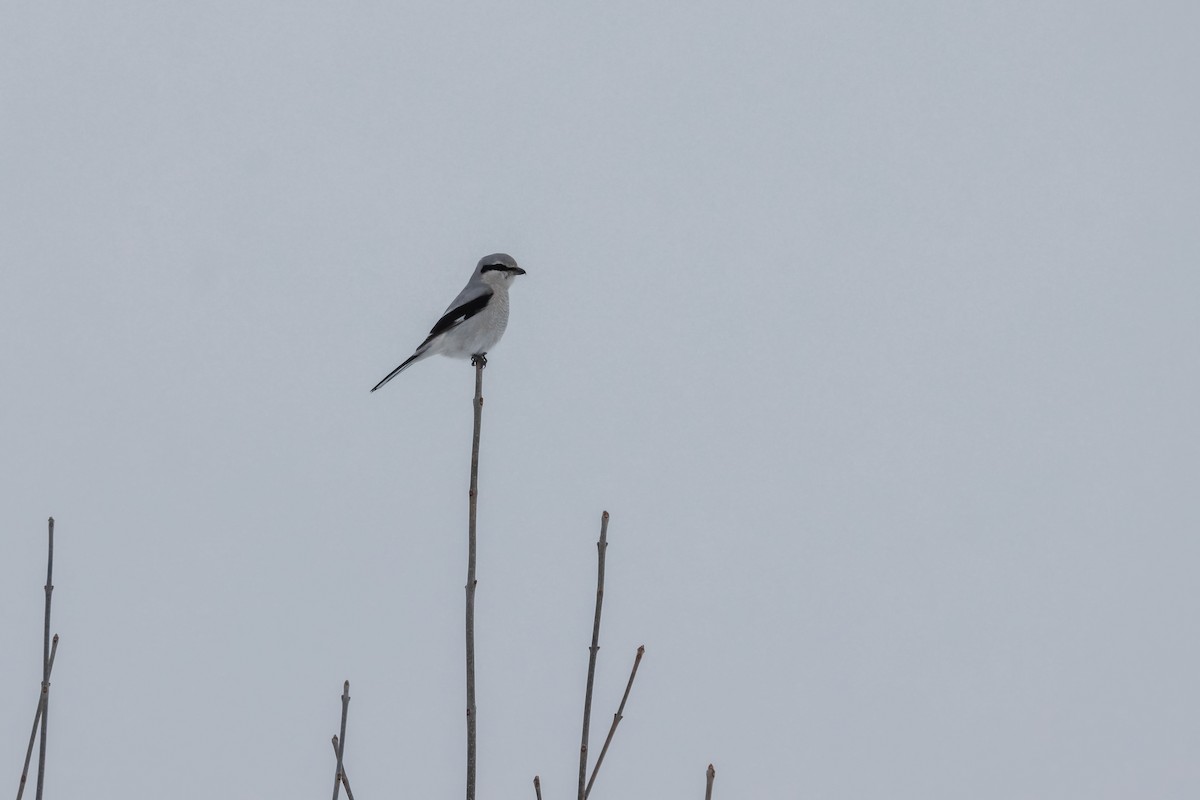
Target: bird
column 475, row 321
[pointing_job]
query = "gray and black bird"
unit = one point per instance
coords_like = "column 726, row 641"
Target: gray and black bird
column 475, row 321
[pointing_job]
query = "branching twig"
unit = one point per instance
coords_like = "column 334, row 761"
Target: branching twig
column 37, row 717
column 617, row 717
column 345, row 777
column 341, row 741
column 470, row 587
column 46, row 663
column 601, row 546
column 712, row 773
column 537, row 786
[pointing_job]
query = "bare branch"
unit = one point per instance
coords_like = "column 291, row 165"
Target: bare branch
column 46, row 662
column 345, row 777
column 341, row 746
column 537, row 786
column 601, row 547
column 617, row 717
column 471, row 581
column 37, row 717
column 712, row 773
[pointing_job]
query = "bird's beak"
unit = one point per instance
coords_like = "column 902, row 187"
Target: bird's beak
column 517, row 271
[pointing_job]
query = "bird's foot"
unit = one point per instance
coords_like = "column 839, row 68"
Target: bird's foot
column 479, row 360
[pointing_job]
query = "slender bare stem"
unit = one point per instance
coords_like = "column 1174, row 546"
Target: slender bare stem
column 341, row 746
column 345, row 777
column 470, row 587
column 617, row 717
column 537, row 786
column 712, row 774
column 37, row 717
column 601, row 546
column 46, row 663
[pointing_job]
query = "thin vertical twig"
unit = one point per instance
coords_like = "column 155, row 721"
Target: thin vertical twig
column 537, row 786
column 345, row 777
column 341, row 742
column 46, row 663
column 617, row 717
column 711, row 775
column 471, row 582
column 601, row 547
column 37, row 718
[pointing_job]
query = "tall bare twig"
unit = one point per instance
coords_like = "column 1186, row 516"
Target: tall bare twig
column 46, row 663
column 341, row 741
column 601, row 546
column 37, row 718
column 345, row 777
column 537, row 786
column 473, row 497
column 711, row 775
column 617, row 717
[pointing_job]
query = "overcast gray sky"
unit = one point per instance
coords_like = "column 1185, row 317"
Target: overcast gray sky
column 874, row 326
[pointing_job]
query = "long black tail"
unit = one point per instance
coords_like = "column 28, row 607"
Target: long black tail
column 400, row 368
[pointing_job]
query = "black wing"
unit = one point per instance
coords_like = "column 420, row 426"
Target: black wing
column 457, row 316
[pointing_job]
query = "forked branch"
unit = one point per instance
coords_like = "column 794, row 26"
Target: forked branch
column 345, row 777
column 601, row 547
column 617, row 717
column 341, row 742
column 37, row 718
column 46, row 663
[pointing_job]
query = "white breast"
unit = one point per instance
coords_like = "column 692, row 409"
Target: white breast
column 480, row 333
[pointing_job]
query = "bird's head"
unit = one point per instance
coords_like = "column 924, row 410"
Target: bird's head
column 498, row 269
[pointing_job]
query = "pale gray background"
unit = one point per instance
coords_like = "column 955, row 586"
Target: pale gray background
column 874, row 326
